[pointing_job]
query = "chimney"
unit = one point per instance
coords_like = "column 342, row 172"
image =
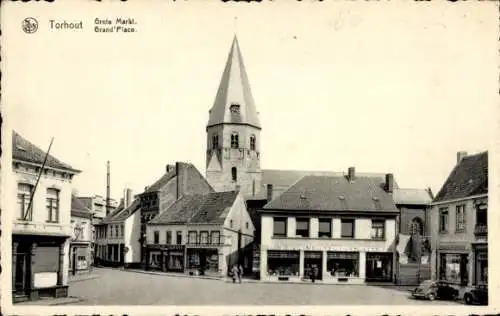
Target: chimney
column 181, row 178
column 238, row 187
column 108, row 190
column 351, row 174
column 127, row 197
column 389, row 182
column 461, row 155
column 269, row 192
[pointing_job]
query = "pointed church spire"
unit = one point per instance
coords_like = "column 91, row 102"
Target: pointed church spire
column 234, row 102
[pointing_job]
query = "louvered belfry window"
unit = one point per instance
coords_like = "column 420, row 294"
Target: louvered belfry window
column 252, row 142
column 235, row 141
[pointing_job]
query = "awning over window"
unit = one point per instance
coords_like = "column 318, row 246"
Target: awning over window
column 283, row 254
column 342, row 255
column 312, row 254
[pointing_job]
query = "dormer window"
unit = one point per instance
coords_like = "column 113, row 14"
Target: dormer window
column 252, row 142
column 234, row 108
column 234, row 141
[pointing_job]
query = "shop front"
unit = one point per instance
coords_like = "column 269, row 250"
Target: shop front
column 342, row 266
column 313, row 264
column 283, row 265
column 203, row 261
column 481, row 264
column 453, row 267
column 379, row 266
column 38, row 267
column 79, row 258
column 166, row 258
column 174, row 258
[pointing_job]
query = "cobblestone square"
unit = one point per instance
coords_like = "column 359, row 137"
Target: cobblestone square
column 116, row 287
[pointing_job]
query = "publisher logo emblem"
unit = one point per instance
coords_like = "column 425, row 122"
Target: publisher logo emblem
column 30, row 25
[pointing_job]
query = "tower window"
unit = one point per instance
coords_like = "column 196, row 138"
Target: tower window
column 234, row 140
column 252, row 142
column 215, row 141
column 235, row 108
column 234, row 174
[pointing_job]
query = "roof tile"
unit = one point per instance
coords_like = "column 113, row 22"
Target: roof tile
column 335, row 193
column 24, row 150
column 469, row 177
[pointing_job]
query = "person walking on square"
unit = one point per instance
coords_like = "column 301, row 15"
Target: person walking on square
column 314, row 271
column 240, row 273
column 234, row 272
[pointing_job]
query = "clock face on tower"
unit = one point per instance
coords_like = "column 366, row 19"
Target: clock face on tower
column 235, row 108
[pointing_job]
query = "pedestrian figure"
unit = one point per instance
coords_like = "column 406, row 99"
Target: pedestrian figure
column 240, row 273
column 234, row 273
column 313, row 273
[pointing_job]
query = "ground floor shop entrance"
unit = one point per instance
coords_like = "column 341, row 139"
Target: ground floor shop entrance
column 167, row 258
column 38, row 267
column 379, row 267
column 202, row 261
column 283, row 264
column 453, row 267
column 79, row 258
column 313, row 265
column 480, row 264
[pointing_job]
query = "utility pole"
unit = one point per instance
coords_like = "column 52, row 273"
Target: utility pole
column 29, row 210
column 107, row 189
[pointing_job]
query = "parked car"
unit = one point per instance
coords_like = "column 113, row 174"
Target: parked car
column 476, row 295
column 432, row 290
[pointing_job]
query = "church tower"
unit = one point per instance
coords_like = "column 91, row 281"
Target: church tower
column 233, row 132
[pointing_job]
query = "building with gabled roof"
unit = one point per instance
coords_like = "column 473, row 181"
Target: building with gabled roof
column 201, row 233
column 81, row 251
column 460, row 223
column 41, row 228
column 121, row 236
column 337, row 229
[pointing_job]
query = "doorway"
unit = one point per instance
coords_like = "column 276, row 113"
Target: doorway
column 313, row 261
column 22, row 270
column 73, row 260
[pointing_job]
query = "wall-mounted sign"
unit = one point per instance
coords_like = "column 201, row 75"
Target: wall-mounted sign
column 309, row 247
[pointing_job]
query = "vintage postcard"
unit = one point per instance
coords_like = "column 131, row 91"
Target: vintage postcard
column 274, row 158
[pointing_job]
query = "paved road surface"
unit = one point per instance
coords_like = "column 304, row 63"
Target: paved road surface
column 115, row 287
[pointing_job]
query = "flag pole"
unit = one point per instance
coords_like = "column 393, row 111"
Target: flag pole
column 29, row 210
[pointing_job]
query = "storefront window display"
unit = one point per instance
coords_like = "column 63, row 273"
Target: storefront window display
column 155, row 260
column 343, row 264
column 175, row 260
column 453, row 268
column 482, row 267
column 379, row 266
column 203, row 259
column 283, row 263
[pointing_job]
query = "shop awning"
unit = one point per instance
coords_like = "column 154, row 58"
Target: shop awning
column 342, row 255
column 283, row 254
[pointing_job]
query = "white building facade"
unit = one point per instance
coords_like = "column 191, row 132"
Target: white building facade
column 41, row 230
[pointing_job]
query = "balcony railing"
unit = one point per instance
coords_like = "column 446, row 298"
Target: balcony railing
column 481, row 230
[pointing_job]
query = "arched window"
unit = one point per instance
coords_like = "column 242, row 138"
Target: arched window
column 252, row 142
column 234, row 141
column 416, row 226
column 234, row 174
column 215, row 141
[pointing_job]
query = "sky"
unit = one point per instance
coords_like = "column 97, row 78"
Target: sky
column 381, row 87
